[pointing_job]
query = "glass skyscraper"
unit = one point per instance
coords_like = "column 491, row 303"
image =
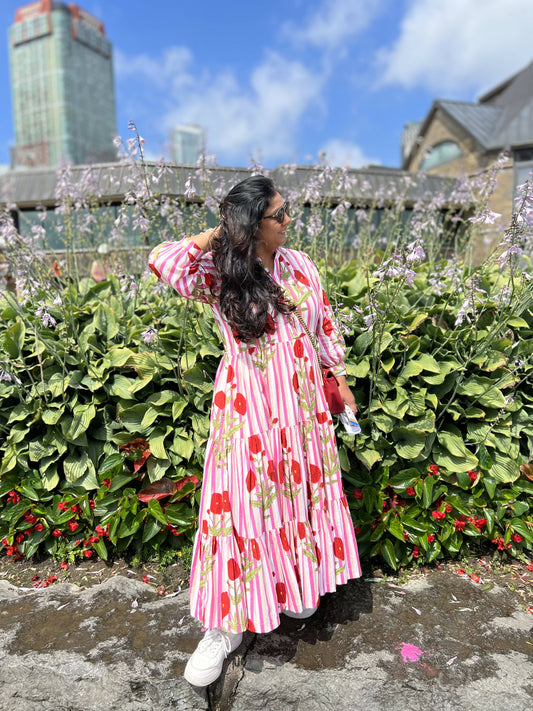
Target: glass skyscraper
column 62, row 86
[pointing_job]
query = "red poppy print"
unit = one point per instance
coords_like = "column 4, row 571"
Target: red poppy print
column 234, row 570
column 216, row 503
column 284, row 540
column 283, row 439
column 250, row 626
column 255, row 549
column 239, row 540
column 315, row 473
column 270, row 326
column 158, row 274
column 298, row 348
column 318, row 556
column 224, row 604
column 220, row 399
column 301, row 277
column 255, row 444
column 214, row 546
column 295, row 383
column 271, row 470
column 338, row 548
column 301, row 530
column 251, row 481
column 205, row 527
column 209, row 280
column 240, row 404
column 322, row 417
column 281, row 593
column 194, row 268
column 225, row 502
column 296, row 471
column 327, row 327
column 325, row 299
column 230, row 374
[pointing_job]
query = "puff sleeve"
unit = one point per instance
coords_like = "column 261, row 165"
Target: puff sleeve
column 185, row 267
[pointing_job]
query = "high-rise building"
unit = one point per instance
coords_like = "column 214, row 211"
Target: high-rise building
column 188, row 143
column 62, row 86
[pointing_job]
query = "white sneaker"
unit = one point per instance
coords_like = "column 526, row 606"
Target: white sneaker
column 303, row 615
column 205, row 665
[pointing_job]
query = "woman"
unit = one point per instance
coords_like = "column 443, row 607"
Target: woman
column 274, row 531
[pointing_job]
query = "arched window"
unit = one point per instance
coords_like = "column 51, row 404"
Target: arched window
column 439, row 154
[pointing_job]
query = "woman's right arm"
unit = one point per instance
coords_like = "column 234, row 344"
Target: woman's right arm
column 186, row 265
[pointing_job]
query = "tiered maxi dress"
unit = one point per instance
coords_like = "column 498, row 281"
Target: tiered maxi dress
column 275, row 532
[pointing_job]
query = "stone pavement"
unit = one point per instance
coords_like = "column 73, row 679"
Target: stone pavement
column 439, row 642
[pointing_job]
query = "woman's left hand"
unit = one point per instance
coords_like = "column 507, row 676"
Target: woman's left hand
column 346, row 393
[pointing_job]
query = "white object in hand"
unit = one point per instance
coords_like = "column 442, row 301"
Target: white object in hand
column 349, row 421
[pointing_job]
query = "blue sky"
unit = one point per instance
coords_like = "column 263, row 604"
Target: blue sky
column 286, row 80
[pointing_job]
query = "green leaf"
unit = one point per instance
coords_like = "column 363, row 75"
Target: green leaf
column 485, row 460
column 427, row 491
column 151, row 529
column 387, row 551
column 504, row 469
column 368, row 457
column 112, row 465
column 77, row 466
column 154, row 507
column 408, row 442
column 519, row 526
column 100, row 548
column 395, row 527
column 453, row 443
column 455, row 464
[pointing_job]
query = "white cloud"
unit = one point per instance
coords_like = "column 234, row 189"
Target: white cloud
column 341, row 153
column 260, row 118
column 455, row 46
column 334, row 22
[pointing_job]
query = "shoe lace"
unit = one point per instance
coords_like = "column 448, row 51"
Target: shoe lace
column 213, row 641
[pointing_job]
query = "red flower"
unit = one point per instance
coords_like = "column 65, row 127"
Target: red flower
column 480, row 522
column 271, row 470
column 255, row 549
column 529, row 567
column 431, row 538
column 230, row 374
column 281, row 592
column 91, row 504
column 240, row 404
column 516, row 537
column 255, row 444
column 322, row 417
column 13, row 497
column 284, row 540
column 459, row 525
column 298, row 348
column 216, row 503
column 73, row 525
column 64, row 565
column 416, row 552
column 39, row 527
column 29, row 518
column 410, row 491
column 472, row 475
column 338, row 548
column 315, row 473
column 475, row 577
column 295, row 382
column 296, row 471
column 226, row 506
column 220, row 399
column 57, row 533
column 327, row 327
column 301, row 277
column 357, row 494
column 234, row 570
column 439, row 515
column 251, row 481
column 301, row 530
column 19, row 537
column 224, row 603
column 433, row 469
column 62, row 506
column 448, row 508
column 405, row 537
column 106, row 482
column 88, row 554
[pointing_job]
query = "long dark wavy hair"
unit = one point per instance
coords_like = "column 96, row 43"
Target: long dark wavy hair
column 247, row 293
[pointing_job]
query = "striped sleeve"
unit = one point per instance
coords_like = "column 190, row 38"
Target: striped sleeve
column 185, row 267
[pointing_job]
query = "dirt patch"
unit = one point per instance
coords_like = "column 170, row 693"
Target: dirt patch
column 486, row 572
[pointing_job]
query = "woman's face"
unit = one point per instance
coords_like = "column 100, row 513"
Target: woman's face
column 271, row 232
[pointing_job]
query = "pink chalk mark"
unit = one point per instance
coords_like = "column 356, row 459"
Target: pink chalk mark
column 409, row 652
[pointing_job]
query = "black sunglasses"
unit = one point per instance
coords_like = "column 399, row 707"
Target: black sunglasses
column 279, row 215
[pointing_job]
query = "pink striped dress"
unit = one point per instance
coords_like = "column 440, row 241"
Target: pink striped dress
column 275, row 532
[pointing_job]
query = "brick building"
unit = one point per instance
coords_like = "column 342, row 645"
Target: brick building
column 459, row 138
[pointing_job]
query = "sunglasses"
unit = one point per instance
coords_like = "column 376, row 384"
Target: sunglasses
column 279, row 215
